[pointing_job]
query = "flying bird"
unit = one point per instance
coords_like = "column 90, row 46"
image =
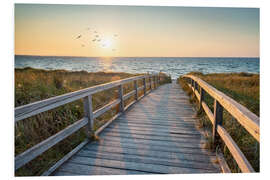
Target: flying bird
column 115, row 35
column 83, row 45
column 79, row 36
column 94, row 40
column 99, row 40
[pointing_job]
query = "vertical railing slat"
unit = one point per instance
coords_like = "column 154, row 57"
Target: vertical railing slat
column 88, row 112
column 120, row 94
column 136, row 89
column 218, row 117
column 144, row 86
column 201, row 98
column 150, row 83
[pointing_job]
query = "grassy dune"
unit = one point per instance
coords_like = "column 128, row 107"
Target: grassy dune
column 34, row 84
column 244, row 88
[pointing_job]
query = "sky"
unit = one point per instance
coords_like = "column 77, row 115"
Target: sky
column 136, row 31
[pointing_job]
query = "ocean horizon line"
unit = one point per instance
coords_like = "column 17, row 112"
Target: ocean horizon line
column 136, row 56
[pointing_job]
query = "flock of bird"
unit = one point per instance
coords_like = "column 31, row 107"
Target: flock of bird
column 97, row 38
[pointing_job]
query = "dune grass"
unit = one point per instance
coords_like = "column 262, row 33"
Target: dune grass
column 244, row 88
column 35, row 84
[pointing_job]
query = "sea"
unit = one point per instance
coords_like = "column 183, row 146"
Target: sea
column 174, row 66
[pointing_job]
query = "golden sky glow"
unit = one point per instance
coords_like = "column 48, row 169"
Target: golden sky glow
column 142, row 31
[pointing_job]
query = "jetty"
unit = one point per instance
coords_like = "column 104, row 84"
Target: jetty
column 156, row 133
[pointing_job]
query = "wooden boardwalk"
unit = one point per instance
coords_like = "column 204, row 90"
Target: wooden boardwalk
column 157, row 135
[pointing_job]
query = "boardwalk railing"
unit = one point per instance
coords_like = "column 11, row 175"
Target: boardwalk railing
column 35, row 108
column 246, row 118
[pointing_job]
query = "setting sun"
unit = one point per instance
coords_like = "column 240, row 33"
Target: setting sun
column 106, row 43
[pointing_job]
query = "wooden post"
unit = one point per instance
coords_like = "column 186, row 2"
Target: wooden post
column 218, row 116
column 88, row 112
column 150, row 83
column 136, row 89
column 201, row 98
column 154, row 81
column 196, row 86
column 120, row 95
column 144, row 86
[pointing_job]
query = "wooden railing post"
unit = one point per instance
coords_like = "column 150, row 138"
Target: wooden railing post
column 120, row 94
column 154, row 80
column 88, row 112
column 156, row 84
column 150, row 83
column 196, row 86
column 136, row 89
column 218, row 117
column 201, row 98
column 144, row 86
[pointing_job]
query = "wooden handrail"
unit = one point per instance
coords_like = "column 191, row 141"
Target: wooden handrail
column 246, row 118
column 32, row 109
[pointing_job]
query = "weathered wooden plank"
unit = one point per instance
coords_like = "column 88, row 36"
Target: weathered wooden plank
column 172, row 130
column 239, row 157
column 168, row 146
column 105, row 108
column 171, row 127
column 147, row 160
column 245, row 117
column 151, row 168
column 157, row 122
column 161, row 131
column 184, row 150
column 151, row 133
column 178, row 118
column 81, row 169
column 146, row 142
column 38, row 149
column 141, row 120
column 148, row 137
column 65, row 158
